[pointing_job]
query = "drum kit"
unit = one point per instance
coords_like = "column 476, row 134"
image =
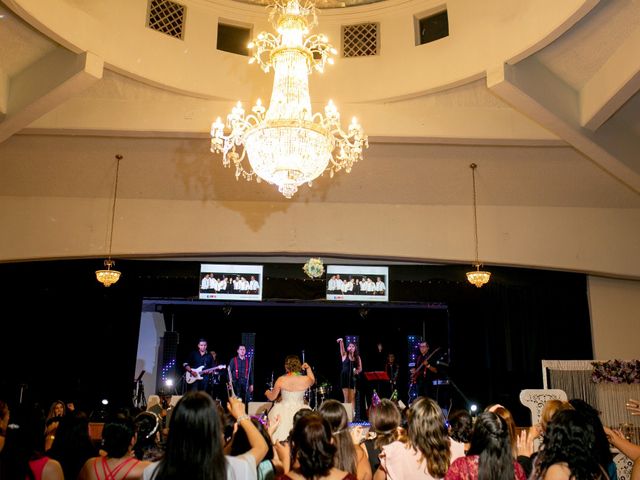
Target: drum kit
column 316, row 395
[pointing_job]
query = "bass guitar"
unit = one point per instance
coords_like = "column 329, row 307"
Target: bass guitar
column 425, row 362
column 196, row 373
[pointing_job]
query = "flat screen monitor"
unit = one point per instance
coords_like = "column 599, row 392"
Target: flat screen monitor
column 230, row 282
column 350, row 283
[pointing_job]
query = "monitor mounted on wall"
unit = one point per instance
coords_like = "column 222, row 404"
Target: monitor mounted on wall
column 230, row 282
column 357, row 283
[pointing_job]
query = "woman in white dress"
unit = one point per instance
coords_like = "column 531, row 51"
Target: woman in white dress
column 290, row 387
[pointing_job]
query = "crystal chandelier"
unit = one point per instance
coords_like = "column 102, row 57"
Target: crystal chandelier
column 108, row 277
column 287, row 144
column 476, row 277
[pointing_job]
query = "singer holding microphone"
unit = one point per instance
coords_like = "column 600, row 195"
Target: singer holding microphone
column 351, row 368
column 290, row 387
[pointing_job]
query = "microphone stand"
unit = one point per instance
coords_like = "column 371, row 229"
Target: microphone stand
column 307, row 392
column 248, row 381
column 455, row 386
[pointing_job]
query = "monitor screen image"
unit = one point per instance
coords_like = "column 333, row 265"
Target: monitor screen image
column 230, row 282
column 351, row 283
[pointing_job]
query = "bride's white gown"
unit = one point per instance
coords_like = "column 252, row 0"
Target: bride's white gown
column 287, row 407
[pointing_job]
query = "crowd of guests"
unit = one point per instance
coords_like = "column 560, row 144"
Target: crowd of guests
column 199, row 439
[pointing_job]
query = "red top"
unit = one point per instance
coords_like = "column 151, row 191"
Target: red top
column 37, row 466
column 108, row 474
column 466, row 468
column 349, row 476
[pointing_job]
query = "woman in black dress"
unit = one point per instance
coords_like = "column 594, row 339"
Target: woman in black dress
column 351, row 368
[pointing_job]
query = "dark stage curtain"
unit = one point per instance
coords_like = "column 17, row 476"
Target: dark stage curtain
column 496, row 335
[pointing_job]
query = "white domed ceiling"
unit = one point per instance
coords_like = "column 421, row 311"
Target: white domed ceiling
column 541, row 94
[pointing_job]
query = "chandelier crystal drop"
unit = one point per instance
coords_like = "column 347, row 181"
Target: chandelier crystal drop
column 287, row 144
column 476, row 277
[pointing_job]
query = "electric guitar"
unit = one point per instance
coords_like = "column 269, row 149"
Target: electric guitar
column 425, row 362
column 196, row 373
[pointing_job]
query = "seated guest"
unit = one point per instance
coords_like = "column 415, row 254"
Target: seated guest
column 23, row 456
column 460, row 428
column 385, row 420
column 194, row 445
column 240, row 444
column 73, row 446
column 349, row 457
column 490, row 455
column 426, row 453
column 313, row 451
column 567, row 450
column 601, row 450
column 148, row 426
column 118, row 436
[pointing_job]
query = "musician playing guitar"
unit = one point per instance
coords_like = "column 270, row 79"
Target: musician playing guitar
column 199, row 358
column 423, row 372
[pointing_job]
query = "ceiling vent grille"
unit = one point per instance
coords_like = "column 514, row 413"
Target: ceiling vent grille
column 360, row 40
column 167, row 17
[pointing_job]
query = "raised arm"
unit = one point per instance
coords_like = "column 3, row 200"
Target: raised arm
column 617, row 439
column 273, row 393
column 310, row 376
column 258, row 445
column 343, row 352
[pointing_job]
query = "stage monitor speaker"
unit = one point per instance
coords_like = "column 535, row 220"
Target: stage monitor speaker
column 259, row 408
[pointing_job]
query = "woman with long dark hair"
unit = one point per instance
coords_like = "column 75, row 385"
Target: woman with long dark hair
column 490, row 456
column 313, row 451
column 194, row 444
column 119, row 462
column 385, row 420
column 425, row 453
column 567, row 449
column 349, row 456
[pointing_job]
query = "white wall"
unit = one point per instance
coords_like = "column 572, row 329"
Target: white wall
column 615, row 318
column 151, row 330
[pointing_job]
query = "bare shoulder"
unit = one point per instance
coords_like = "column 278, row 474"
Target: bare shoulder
column 86, row 471
column 52, row 470
column 139, row 468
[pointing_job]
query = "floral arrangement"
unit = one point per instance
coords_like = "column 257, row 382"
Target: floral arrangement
column 314, row 268
column 616, row 371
